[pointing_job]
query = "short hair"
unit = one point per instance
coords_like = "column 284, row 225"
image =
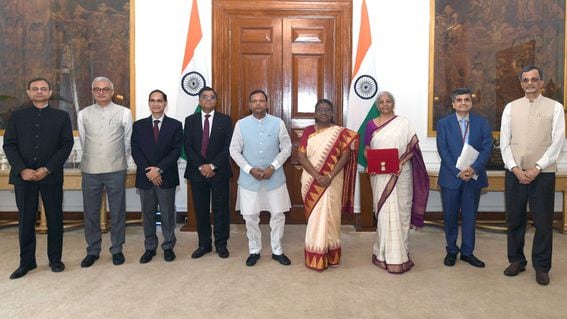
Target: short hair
column 528, row 68
column 256, row 92
column 102, row 79
column 460, row 91
column 324, row 101
column 389, row 94
column 158, row 91
column 39, row 79
column 206, row 89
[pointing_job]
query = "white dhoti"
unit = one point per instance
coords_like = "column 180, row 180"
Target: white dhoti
column 251, row 203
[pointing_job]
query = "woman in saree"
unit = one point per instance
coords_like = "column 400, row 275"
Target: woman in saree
column 400, row 198
column 327, row 153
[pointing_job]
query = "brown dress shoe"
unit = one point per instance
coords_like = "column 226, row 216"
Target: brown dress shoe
column 542, row 278
column 514, row 269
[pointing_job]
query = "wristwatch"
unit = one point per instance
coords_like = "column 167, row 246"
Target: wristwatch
column 538, row 167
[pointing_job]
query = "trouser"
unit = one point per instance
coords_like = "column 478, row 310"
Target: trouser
column 150, row 199
column 93, row 185
column 540, row 195
column 277, row 223
column 27, row 202
column 465, row 199
column 202, row 193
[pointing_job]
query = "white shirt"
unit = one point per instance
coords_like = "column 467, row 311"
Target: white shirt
column 212, row 114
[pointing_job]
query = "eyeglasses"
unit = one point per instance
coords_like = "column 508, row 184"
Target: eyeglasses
column 156, row 101
column 533, row 80
column 102, row 90
column 208, row 97
column 42, row 89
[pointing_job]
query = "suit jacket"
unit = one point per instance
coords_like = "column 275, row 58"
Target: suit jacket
column 450, row 145
column 217, row 149
column 163, row 154
column 36, row 138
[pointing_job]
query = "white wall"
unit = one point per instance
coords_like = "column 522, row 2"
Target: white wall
column 400, row 32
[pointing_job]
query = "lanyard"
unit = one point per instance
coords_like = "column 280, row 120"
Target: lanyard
column 466, row 132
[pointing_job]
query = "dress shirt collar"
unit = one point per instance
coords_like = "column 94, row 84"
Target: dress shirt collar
column 461, row 118
column 212, row 113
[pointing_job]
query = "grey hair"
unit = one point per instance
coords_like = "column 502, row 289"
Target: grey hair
column 102, row 79
column 390, row 95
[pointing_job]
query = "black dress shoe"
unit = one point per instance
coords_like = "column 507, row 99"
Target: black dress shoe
column 471, row 259
column 223, row 252
column 199, row 252
column 118, row 258
column 282, row 259
column 450, row 260
column 89, row 261
column 168, row 255
column 514, row 269
column 252, row 259
column 542, row 278
column 147, row 256
column 57, row 266
column 22, row 271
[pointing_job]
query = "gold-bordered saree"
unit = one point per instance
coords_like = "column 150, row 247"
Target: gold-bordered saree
column 323, row 205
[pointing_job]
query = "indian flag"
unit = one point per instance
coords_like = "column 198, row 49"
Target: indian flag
column 194, row 70
column 363, row 88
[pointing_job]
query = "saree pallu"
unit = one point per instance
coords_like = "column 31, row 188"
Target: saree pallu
column 323, row 205
column 399, row 201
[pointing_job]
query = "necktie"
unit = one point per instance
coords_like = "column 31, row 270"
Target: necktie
column 156, row 130
column 205, row 140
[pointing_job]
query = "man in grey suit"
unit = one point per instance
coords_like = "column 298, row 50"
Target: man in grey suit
column 104, row 132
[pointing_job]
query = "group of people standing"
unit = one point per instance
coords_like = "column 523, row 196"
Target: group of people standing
column 38, row 140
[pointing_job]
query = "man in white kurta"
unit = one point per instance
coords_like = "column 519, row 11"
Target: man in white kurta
column 105, row 130
column 260, row 145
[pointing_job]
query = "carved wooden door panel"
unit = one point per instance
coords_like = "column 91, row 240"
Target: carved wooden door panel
column 294, row 53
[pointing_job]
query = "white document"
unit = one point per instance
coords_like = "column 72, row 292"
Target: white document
column 467, row 158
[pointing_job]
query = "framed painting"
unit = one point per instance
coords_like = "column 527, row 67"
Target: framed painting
column 483, row 45
column 68, row 42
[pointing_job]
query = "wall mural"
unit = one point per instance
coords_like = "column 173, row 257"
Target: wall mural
column 483, row 44
column 69, row 42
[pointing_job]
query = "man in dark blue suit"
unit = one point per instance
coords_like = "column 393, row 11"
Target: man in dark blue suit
column 37, row 142
column 207, row 139
column 460, row 188
column 156, row 147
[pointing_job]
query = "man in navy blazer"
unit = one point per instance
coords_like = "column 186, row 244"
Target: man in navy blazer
column 207, row 139
column 460, row 188
column 156, row 147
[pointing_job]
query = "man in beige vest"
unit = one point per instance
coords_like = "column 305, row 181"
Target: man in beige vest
column 531, row 138
column 104, row 131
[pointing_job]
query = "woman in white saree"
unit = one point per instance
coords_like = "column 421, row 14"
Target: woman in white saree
column 400, row 198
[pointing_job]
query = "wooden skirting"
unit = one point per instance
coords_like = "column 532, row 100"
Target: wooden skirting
column 487, row 220
column 71, row 220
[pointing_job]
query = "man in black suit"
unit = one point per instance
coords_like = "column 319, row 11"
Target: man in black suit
column 207, row 138
column 156, row 147
column 37, row 142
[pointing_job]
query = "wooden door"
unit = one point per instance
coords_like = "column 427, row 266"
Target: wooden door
column 297, row 52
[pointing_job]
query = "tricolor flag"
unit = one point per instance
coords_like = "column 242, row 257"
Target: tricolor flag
column 363, row 88
column 194, row 70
